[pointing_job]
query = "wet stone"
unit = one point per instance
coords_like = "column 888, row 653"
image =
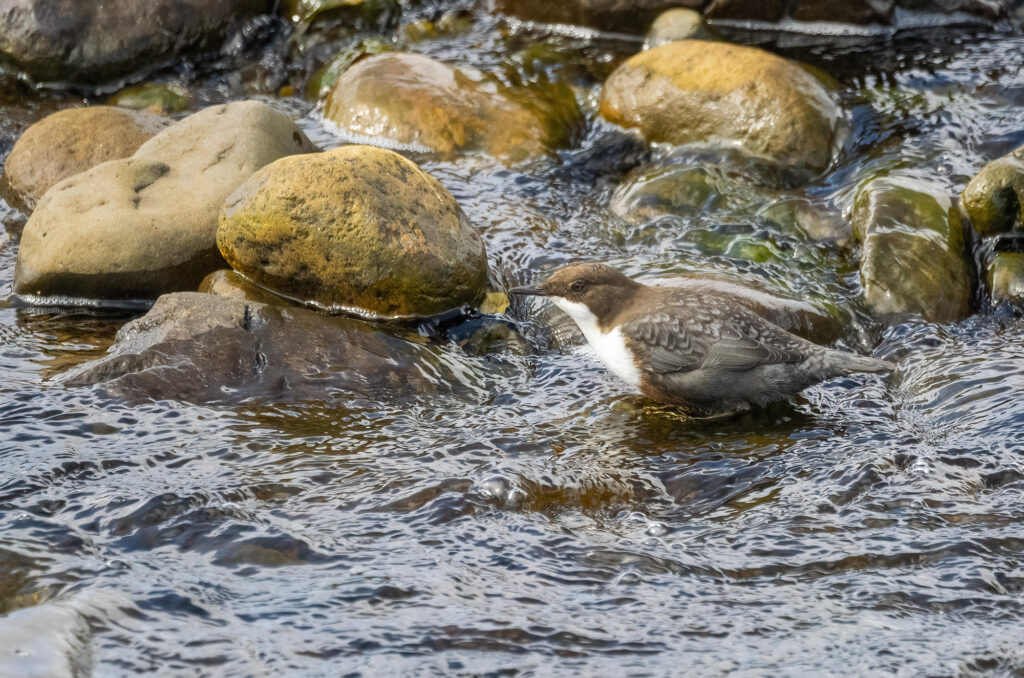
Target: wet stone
column 1006, row 277
column 714, row 94
column 418, row 101
column 358, row 228
column 678, row 24
column 69, row 40
column 913, row 258
column 161, row 98
column 204, row 348
column 994, row 198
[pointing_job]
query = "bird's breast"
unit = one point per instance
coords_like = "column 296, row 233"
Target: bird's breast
column 611, row 349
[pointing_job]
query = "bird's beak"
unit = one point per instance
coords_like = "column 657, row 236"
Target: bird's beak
column 529, row 290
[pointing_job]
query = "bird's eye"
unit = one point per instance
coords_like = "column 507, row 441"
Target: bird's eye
column 578, row 286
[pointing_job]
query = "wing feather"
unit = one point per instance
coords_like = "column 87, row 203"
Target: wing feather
column 683, row 337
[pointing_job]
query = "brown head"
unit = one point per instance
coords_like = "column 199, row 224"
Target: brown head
column 598, row 288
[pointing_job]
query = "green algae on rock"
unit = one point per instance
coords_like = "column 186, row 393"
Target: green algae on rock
column 357, row 228
column 913, row 258
column 141, row 226
column 721, row 95
column 233, row 285
column 325, row 77
column 412, row 99
column 994, row 198
column 68, row 142
column 161, row 98
column 1006, row 277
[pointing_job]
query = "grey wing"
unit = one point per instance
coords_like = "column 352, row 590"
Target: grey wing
column 688, row 338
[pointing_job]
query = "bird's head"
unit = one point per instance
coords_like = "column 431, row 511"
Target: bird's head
column 593, row 293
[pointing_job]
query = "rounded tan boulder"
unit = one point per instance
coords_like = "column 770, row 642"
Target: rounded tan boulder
column 717, row 94
column 68, row 142
column 138, row 227
column 357, row 228
column 415, row 100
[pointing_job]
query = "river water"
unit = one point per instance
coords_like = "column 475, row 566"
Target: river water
column 537, row 519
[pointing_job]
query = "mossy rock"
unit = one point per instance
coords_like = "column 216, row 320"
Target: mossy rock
column 721, row 95
column 161, row 98
column 994, row 198
column 358, row 228
column 325, row 77
column 913, row 259
column 1006, row 277
column 415, row 100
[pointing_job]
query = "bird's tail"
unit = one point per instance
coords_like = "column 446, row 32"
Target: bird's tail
column 851, row 362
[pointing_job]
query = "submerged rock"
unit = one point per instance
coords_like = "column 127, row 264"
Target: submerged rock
column 635, row 16
column 355, row 11
column 412, row 99
column 848, row 11
column 721, row 95
column 1006, row 277
column 685, row 190
column 156, row 97
column 994, row 198
column 913, row 258
column 626, row 16
column 68, row 142
column 233, row 285
column 678, row 24
column 204, row 348
column 138, row 227
column 358, row 227
column 90, row 43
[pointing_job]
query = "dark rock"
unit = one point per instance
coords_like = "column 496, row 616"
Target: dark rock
column 634, row 17
column 87, row 42
column 204, row 348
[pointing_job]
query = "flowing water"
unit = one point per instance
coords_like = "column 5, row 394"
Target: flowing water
column 538, row 519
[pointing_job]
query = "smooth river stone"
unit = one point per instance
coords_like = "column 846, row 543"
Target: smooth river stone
column 994, row 198
column 913, row 259
column 358, row 228
column 721, row 95
column 68, row 142
column 139, row 227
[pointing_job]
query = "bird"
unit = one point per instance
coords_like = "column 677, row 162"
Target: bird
column 696, row 350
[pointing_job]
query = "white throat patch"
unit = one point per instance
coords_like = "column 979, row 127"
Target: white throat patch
column 610, row 347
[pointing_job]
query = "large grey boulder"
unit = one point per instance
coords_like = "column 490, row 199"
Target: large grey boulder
column 88, row 42
column 138, row 227
column 204, row 348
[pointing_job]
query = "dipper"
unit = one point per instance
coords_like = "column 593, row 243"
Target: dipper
column 697, row 350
